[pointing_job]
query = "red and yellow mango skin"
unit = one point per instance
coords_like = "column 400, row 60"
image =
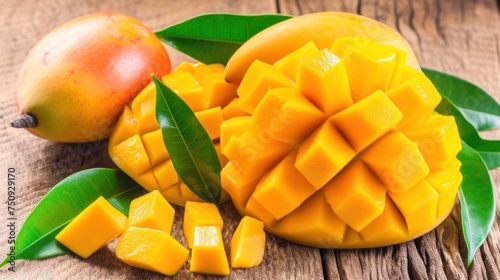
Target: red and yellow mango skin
column 78, row 78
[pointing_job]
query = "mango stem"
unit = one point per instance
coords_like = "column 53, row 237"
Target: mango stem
column 24, row 121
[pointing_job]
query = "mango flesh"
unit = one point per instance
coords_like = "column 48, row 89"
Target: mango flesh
column 96, row 226
column 136, row 144
column 199, row 214
column 78, row 78
column 208, row 255
column 151, row 211
column 377, row 168
column 247, row 243
column 151, row 249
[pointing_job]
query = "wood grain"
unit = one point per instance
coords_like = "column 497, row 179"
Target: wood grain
column 458, row 37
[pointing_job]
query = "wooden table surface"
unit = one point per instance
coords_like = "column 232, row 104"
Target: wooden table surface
column 458, row 37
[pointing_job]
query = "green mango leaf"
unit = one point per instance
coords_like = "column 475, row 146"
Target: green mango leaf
column 192, row 151
column 36, row 238
column 213, row 38
column 477, row 200
column 476, row 105
column 489, row 150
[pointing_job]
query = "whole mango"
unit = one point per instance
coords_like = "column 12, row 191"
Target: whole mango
column 342, row 147
column 76, row 80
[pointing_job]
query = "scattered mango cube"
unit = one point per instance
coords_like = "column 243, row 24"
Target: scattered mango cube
column 199, row 214
column 151, row 211
column 95, row 227
column 248, row 243
column 151, row 249
column 208, row 255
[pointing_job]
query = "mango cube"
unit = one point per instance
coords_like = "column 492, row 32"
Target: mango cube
column 186, row 86
column 356, row 195
column 322, row 78
column 240, row 188
column 257, row 150
column 415, row 98
column 95, row 227
column 418, row 206
column 259, row 78
column 289, row 64
column 132, row 152
column 167, row 173
column 324, row 222
column 438, row 139
column 396, row 161
column 390, row 225
column 385, row 64
column 151, row 211
column 248, row 243
column 218, row 92
column 323, row 154
column 286, row 115
column 211, row 120
column 366, row 121
column 287, row 183
column 151, row 249
column 208, row 255
column 199, row 214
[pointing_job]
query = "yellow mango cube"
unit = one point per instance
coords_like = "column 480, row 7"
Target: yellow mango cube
column 235, row 127
column 446, row 182
column 287, row 183
column 248, row 243
column 211, row 119
column 125, row 126
column 151, row 211
column 418, row 206
column 233, row 110
column 96, row 226
column 131, row 154
column 364, row 122
column 166, row 172
column 416, row 99
column 152, row 141
column 239, row 187
column 289, row 64
column 323, row 154
column 199, row 214
column 322, row 78
column 259, row 78
column 208, row 255
column 385, row 64
column 185, row 85
column 218, row 92
column 286, row 115
column 257, row 150
column 151, row 249
column 256, row 210
column 300, row 224
column 356, row 195
column 438, row 139
column 390, row 226
column 396, row 161
column 144, row 109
